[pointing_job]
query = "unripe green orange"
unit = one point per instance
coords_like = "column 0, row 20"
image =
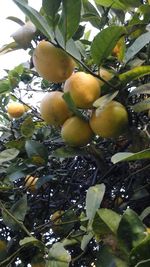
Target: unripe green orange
column 111, row 121
column 52, row 63
column 54, row 109
column 76, row 132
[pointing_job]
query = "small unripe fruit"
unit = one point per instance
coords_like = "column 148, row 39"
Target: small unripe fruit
column 30, row 182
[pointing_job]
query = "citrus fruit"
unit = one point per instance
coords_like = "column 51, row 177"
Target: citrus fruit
column 15, row 109
column 76, row 132
column 30, row 182
column 83, row 88
column 52, row 63
column 111, row 121
column 105, row 74
column 54, row 109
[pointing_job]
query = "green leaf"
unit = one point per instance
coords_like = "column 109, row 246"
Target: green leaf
column 51, row 9
column 142, row 89
column 142, row 106
column 105, row 258
column 36, row 152
column 9, row 48
column 112, row 3
column 141, row 253
column 67, row 97
column 145, row 213
column 131, row 3
column 102, row 102
column 67, row 152
column 94, row 197
column 127, row 156
column 18, row 211
column 70, row 18
column 36, row 18
column 106, row 221
column 58, row 256
column 27, row 127
column 85, row 240
column 134, row 74
column 4, row 86
column 15, row 19
column 104, row 42
column 139, row 43
column 131, row 231
column 8, row 154
column 31, row 241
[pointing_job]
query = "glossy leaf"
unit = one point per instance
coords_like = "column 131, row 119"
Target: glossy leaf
column 102, row 102
column 104, row 42
column 67, row 152
column 85, row 240
column 15, row 19
column 13, row 46
column 51, row 9
column 58, row 256
column 136, row 230
column 111, row 3
column 106, row 221
column 70, row 18
column 94, row 197
column 4, row 86
column 145, row 213
column 134, row 74
column 8, row 154
column 142, row 89
column 31, row 241
column 127, row 156
column 36, row 18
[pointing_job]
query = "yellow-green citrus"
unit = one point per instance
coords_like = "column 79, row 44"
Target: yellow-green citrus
column 15, row 109
column 105, row 74
column 54, row 109
column 76, row 132
column 111, row 121
column 83, row 88
column 52, row 63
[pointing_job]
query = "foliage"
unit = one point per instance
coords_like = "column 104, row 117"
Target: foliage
column 102, row 188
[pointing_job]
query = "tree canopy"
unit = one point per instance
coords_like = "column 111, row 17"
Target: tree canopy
column 63, row 204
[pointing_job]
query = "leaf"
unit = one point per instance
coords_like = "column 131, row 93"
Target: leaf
column 142, row 89
column 27, row 127
column 58, row 256
column 139, row 43
column 13, row 46
column 4, row 86
column 18, row 211
column 142, row 106
column 136, row 230
column 131, row 3
column 8, row 154
column 67, row 152
column 145, row 213
column 104, row 42
column 140, row 254
column 134, row 74
column 94, row 197
column 36, row 152
column 15, row 19
column 70, row 18
column 105, row 258
column 67, row 97
column 31, row 241
column 36, row 18
column 127, row 156
column 106, row 221
column 85, row 240
column 102, row 102
column 51, row 9
column 111, row 3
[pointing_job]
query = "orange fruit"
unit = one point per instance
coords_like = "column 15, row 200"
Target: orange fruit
column 105, row 74
column 83, row 88
column 111, row 121
column 30, row 182
column 76, row 132
column 54, row 109
column 52, row 63
column 15, row 109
